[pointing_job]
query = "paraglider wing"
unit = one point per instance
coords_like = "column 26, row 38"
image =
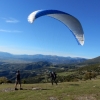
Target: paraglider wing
column 70, row 21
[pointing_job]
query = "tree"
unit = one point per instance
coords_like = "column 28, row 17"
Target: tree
column 3, row 80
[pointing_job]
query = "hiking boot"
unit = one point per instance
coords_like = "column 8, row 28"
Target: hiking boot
column 16, row 89
column 21, row 88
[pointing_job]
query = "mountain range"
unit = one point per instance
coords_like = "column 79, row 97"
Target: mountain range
column 12, row 58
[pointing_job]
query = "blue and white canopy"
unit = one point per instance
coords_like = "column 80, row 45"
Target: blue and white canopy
column 70, row 21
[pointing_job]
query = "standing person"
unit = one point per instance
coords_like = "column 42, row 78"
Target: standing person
column 53, row 77
column 18, row 81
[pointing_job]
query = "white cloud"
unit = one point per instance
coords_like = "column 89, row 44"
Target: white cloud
column 10, row 31
column 11, row 20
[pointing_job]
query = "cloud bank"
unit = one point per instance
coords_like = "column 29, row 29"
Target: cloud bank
column 10, row 31
column 11, row 20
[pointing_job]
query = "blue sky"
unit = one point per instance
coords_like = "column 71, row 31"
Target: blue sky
column 47, row 35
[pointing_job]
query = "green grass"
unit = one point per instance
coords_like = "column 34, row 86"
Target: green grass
column 82, row 90
column 65, row 73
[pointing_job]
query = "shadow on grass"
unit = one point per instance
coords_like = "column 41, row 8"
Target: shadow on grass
column 37, row 89
column 46, row 89
column 74, row 84
column 31, row 89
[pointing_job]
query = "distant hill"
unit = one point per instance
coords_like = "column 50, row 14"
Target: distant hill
column 11, row 58
column 93, row 60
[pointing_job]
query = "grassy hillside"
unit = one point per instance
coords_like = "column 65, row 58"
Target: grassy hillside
column 92, row 61
column 82, row 90
column 39, row 72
